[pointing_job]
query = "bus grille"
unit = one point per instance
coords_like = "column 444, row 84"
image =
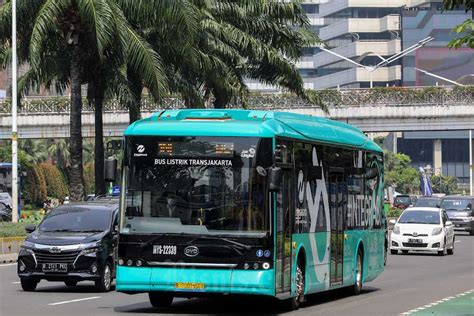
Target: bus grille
column 47, row 257
column 414, row 245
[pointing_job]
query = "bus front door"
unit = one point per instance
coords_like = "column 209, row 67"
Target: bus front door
column 283, row 234
column 336, row 202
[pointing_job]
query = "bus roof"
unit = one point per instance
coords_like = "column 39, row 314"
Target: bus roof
column 250, row 123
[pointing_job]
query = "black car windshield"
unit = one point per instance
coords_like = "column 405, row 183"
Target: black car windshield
column 402, row 199
column 428, row 203
column 196, row 185
column 456, row 204
column 76, row 219
column 419, row 217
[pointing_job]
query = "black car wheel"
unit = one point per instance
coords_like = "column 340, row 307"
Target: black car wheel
column 105, row 282
column 28, row 285
column 160, row 299
column 70, row 283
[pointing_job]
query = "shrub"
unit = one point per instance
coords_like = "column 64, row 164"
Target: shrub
column 35, row 186
column 89, row 180
column 55, row 184
column 394, row 212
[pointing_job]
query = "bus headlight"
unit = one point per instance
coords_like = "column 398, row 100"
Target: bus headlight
column 129, row 262
column 255, row 266
column 266, row 266
column 121, row 262
column 246, row 266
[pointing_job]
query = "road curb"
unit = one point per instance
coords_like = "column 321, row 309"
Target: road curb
column 9, row 258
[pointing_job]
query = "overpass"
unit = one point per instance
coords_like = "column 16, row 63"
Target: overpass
column 372, row 110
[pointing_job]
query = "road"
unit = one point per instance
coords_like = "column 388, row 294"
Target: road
column 410, row 281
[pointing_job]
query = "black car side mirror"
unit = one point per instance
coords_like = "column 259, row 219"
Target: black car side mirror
column 30, row 228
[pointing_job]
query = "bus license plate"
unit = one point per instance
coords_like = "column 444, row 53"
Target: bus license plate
column 54, row 267
column 415, row 241
column 189, row 286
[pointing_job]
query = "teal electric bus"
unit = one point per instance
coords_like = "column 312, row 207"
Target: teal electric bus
column 248, row 202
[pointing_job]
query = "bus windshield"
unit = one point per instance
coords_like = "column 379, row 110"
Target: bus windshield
column 195, row 185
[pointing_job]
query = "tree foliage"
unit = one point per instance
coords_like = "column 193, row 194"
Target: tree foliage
column 399, row 173
column 444, row 184
column 465, row 30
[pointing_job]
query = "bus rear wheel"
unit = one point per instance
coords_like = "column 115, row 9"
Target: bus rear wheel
column 160, row 299
column 357, row 287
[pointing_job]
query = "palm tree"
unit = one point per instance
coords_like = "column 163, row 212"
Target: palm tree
column 81, row 30
column 59, row 150
column 36, row 150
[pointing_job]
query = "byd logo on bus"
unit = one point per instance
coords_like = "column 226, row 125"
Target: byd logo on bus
column 191, row 251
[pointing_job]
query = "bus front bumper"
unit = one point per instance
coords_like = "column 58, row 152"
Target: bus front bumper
column 201, row 282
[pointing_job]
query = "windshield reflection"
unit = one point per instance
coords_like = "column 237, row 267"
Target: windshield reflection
column 200, row 194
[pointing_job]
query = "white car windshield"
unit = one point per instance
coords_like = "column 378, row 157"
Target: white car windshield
column 420, row 217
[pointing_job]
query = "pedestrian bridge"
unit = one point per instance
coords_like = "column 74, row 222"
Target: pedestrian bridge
column 372, row 110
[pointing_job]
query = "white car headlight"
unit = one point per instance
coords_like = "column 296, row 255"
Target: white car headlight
column 29, row 244
column 436, row 231
column 396, row 230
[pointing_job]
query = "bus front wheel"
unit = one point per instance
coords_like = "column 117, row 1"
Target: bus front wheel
column 295, row 301
column 159, row 299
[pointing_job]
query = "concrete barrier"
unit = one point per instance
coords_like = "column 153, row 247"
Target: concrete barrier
column 10, row 245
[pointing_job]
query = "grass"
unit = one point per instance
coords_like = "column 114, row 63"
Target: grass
column 8, row 229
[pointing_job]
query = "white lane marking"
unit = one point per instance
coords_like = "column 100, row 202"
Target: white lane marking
column 73, row 301
column 8, row 264
column 17, row 282
column 436, row 303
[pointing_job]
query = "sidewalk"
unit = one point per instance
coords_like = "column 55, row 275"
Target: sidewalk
column 8, row 258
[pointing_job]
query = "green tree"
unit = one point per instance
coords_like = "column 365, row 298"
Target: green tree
column 59, row 150
column 399, row 173
column 444, row 184
column 465, row 29
column 76, row 32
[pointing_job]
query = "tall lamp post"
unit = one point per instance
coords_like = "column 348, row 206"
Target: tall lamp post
column 14, row 119
column 385, row 61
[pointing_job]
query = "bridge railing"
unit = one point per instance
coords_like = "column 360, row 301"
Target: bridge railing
column 377, row 97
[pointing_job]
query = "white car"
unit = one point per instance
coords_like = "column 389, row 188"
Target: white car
column 423, row 229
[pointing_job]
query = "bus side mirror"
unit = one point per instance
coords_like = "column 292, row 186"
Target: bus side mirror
column 274, row 178
column 110, row 169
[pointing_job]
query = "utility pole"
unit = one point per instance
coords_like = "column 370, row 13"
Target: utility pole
column 470, row 164
column 14, row 119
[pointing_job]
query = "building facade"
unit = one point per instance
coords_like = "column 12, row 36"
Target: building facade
column 362, row 30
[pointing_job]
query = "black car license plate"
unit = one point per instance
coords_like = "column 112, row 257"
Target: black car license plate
column 415, row 241
column 54, row 267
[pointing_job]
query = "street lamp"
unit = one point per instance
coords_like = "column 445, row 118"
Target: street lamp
column 14, row 119
column 385, row 61
column 439, row 77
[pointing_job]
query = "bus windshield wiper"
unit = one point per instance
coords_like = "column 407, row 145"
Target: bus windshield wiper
column 233, row 242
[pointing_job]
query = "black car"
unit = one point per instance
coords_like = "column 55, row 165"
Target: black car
column 74, row 242
column 428, row 202
column 5, row 213
column 460, row 212
column 403, row 201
